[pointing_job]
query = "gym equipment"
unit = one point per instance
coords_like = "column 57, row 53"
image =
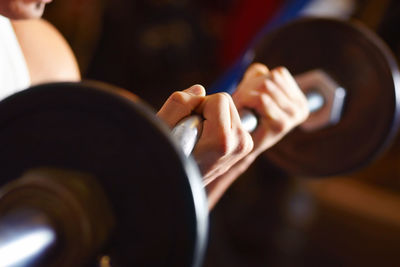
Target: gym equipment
column 358, row 61
column 90, row 171
column 352, row 82
column 59, row 142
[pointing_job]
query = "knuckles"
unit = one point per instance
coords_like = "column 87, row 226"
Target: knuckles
column 221, row 99
column 178, row 97
column 180, row 101
column 245, row 144
column 235, row 142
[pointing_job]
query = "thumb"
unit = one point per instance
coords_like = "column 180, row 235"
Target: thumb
column 196, row 90
column 181, row 104
column 255, row 70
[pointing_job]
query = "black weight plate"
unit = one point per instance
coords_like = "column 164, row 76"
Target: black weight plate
column 155, row 192
column 361, row 63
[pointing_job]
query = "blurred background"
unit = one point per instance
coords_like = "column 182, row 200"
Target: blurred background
column 154, row 47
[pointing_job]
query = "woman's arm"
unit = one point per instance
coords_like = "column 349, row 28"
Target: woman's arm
column 48, row 56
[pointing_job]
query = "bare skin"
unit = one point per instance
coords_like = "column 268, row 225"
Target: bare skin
column 48, row 56
column 23, row 9
column 225, row 150
column 224, row 141
column 280, row 106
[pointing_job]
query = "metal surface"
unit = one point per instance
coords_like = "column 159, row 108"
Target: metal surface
column 325, row 99
column 359, row 62
column 24, row 236
column 188, row 131
column 155, row 192
column 65, row 212
column 325, row 102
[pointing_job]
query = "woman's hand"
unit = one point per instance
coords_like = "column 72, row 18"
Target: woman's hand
column 280, row 106
column 277, row 100
column 225, row 150
column 223, row 141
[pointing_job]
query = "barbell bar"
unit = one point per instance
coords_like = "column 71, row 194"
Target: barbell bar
column 64, row 132
column 322, row 93
column 59, row 142
column 351, row 81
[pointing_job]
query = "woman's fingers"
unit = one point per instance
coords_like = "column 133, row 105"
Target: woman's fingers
column 288, row 86
column 223, row 141
column 277, row 99
column 181, row 104
column 255, row 70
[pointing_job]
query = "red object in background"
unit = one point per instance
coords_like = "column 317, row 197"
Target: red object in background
column 245, row 20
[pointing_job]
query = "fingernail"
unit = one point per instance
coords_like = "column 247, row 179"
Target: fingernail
column 196, row 89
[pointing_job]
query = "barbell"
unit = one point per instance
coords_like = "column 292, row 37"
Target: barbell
column 351, row 81
column 73, row 130
column 93, row 177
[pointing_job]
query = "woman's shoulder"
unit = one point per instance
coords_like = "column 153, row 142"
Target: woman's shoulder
column 48, row 55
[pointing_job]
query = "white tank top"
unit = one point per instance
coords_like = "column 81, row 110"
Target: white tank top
column 14, row 73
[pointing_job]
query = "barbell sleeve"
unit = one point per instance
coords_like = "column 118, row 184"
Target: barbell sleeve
column 25, row 236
